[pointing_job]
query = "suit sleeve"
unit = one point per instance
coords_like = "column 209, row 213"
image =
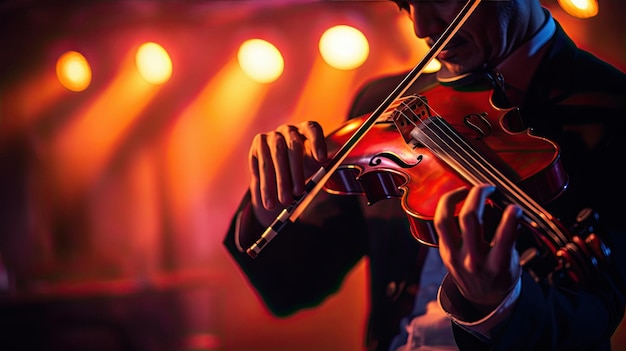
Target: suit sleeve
column 308, row 260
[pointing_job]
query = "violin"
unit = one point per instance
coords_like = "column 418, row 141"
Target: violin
column 416, row 155
column 418, row 147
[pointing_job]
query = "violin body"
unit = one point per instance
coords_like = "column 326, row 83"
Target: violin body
column 388, row 163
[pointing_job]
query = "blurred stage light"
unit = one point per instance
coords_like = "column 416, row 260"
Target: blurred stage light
column 154, row 63
column 344, row 47
column 73, row 71
column 433, row 66
column 260, row 60
column 580, row 8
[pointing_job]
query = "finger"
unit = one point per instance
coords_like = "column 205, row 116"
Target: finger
column 506, row 235
column 280, row 158
column 295, row 142
column 471, row 220
column 255, row 184
column 314, row 134
column 295, row 151
column 263, row 183
column 445, row 220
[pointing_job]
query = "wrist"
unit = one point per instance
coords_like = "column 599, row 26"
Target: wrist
column 464, row 314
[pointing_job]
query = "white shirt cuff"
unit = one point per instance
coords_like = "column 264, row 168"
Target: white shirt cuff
column 455, row 306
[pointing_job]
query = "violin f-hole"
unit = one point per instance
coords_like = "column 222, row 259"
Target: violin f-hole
column 478, row 122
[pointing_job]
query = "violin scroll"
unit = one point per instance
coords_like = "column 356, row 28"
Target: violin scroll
column 586, row 254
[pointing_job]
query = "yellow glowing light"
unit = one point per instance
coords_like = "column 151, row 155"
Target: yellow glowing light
column 260, row 60
column 580, row 8
column 433, row 66
column 73, row 71
column 154, row 63
column 344, row 47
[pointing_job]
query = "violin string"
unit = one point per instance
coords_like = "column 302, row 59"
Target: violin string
column 491, row 174
column 460, row 157
column 513, row 193
column 461, row 161
column 539, row 216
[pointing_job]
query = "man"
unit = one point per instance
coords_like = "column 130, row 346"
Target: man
column 566, row 95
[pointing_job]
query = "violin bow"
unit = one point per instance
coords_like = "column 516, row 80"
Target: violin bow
column 319, row 179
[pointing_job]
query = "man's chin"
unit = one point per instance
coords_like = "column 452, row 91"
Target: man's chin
column 450, row 70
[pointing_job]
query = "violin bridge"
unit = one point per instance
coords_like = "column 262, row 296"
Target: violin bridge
column 409, row 113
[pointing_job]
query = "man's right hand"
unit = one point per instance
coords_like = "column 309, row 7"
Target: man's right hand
column 280, row 163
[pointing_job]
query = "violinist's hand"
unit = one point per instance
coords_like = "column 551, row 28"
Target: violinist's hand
column 483, row 272
column 280, row 163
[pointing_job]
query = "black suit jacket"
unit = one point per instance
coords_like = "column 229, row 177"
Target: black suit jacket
column 571, row 95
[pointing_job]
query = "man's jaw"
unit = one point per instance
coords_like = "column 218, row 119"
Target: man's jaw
column 449, row 52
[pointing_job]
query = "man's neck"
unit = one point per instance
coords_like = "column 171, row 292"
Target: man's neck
column 519, row 67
